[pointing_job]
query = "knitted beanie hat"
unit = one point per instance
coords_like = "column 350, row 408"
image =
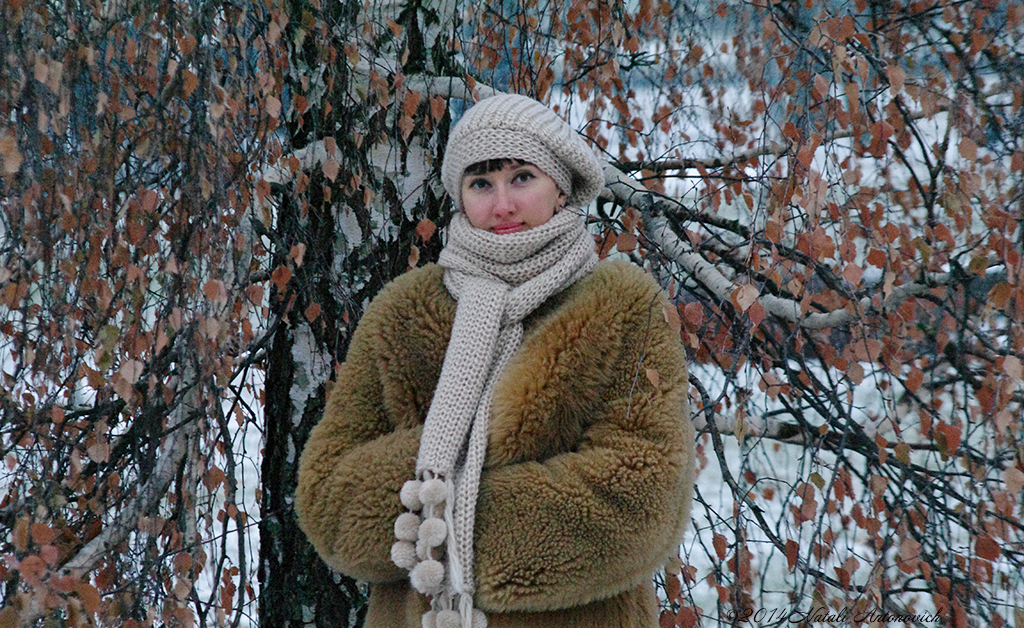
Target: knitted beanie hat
column 510, row 126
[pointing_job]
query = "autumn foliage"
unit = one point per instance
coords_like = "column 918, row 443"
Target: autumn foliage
column 197, row 200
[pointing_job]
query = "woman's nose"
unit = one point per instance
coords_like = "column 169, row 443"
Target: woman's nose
column 503, row 202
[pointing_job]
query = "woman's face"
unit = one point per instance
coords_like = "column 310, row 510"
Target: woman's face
column 517, row 197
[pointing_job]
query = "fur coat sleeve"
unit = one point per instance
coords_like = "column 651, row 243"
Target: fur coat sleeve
column 364, row 448
column 588, row 476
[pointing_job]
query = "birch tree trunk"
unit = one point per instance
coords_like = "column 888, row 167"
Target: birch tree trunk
column 344, row 223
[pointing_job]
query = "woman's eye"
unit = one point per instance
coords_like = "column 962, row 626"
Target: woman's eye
column 478, row 184
column 524, row 176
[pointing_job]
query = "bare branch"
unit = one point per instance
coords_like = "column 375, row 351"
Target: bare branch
column 181, row 430
column 659, row 232
column 712, row 163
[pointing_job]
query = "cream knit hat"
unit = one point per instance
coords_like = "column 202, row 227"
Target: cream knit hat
column 509, row 126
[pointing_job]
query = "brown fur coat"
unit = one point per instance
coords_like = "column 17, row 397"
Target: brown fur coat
column 586, row 488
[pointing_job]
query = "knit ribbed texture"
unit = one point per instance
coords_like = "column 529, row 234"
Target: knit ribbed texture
column 509, row 126
column 497, row 280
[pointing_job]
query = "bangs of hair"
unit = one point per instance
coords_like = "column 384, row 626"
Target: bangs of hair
column 491, row 165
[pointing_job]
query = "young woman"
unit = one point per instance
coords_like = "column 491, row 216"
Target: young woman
column 508, row 443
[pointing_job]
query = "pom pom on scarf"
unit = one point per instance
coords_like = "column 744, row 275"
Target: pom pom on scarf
column 407, row 527
column 426, row 577
column 479, row 619
column 448, row 619
column 432, row 492
column 403, row 554
column 433, row 531
column 410, row 495
column 429, row 619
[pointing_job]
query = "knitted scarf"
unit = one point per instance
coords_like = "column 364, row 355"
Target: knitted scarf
column 497, row 280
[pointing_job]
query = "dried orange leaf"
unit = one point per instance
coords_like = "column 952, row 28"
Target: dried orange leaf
column 987, row 548
column 9, row 155
column 896, row 77
column 312, row 312
column 90, row 597
column 215, row 291
column 686, row 617
column 792, row 553
column 42, row 534
column 32, row 569
column 438, row 106
column 280, row 277
column 720, row 546
column 694, row 313
column 821, row 85
column 189, row 83
column 331, row 168
column 756, row 313
column 910, row 551
column 853, row 273
column 671, row 313
column 273, row 107
column 743, row 297
column 654, row 377
column 968, row 149
column 914, row 379
column 1014, row 479
column 99, row 453
column 902, row 451
column 625, row 242
column 412, row 102
column 1012, row 367
column 425, row 229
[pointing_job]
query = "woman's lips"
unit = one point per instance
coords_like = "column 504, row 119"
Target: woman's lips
column 508, row 227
